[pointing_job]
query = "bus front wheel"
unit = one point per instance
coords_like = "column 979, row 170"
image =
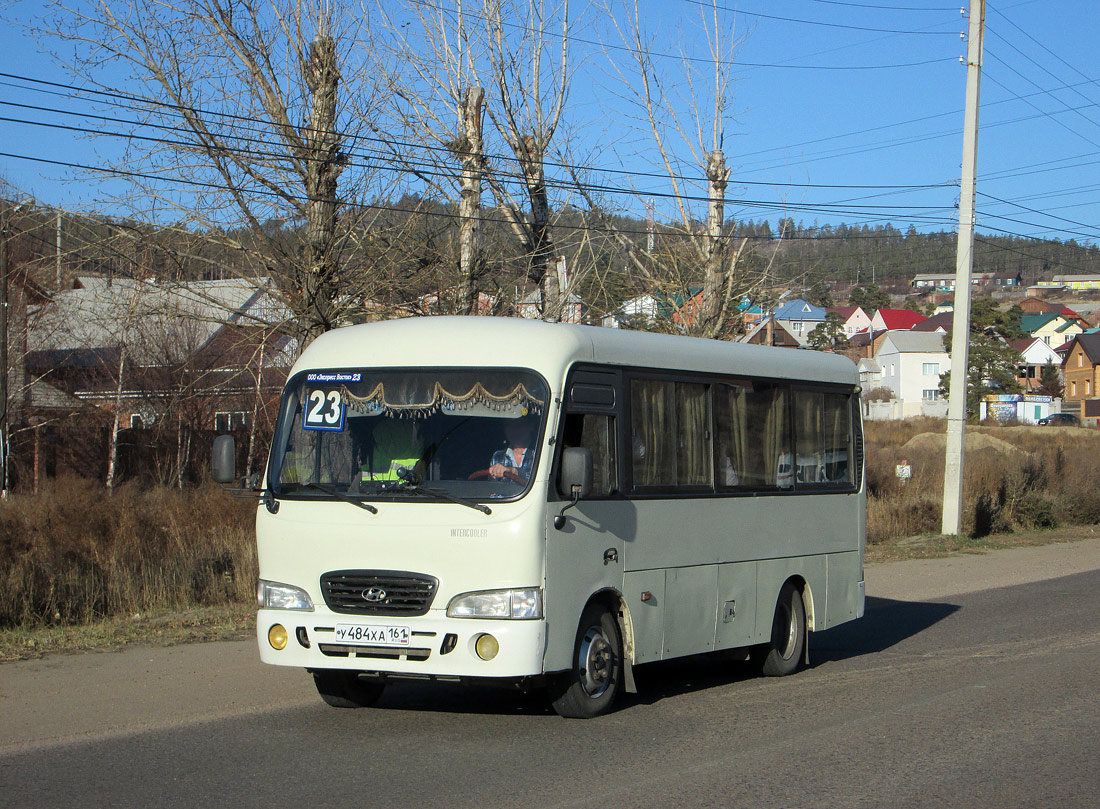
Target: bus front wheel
column 589, row 689
column 783, row 654
column 344, row 689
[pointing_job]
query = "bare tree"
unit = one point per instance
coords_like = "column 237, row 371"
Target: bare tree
column 436, row 97
column 529, row 70
column 695, row 261
column 510, row 59
column 245, row 123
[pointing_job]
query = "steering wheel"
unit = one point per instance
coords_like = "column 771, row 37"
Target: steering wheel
column 508, row 473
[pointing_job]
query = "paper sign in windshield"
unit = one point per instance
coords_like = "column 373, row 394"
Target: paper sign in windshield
column 324, row 410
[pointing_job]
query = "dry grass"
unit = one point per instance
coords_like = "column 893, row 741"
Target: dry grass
column 75, row 554
column 195, row 625
column 1018, row 478
column 81, row 569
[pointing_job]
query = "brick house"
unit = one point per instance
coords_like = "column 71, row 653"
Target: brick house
column 173, row 362
column 1082, row 374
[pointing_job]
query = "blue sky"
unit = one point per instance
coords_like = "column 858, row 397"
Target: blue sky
column 841, row 111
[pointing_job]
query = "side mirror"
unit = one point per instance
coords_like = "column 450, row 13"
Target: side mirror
column 223, row 459
column 576, row 472
column 576, row 479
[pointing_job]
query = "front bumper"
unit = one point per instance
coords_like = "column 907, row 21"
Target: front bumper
column 440, row 647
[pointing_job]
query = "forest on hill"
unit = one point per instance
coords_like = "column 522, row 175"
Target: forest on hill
column 406, row 251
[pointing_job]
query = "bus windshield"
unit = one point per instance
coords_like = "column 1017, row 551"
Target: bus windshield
column 380, row 434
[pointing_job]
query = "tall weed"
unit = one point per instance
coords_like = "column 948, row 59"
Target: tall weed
column 75, row 553
column 1047, row 477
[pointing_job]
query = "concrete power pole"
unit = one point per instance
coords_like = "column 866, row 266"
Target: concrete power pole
column 960, row 329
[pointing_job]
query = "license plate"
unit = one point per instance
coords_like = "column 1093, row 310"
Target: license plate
column 373, row 635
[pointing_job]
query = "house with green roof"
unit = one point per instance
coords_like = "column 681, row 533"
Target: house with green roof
column 1053, row 328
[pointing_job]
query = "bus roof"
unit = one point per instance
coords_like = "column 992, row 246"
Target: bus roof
column 550, row 348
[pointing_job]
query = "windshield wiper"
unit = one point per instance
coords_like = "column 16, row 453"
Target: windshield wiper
column 339, row 495
column 410, row 482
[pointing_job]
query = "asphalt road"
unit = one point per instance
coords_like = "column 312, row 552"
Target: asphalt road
column 971, row 682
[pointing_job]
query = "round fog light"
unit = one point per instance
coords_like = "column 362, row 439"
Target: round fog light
column 277, row 637
column 486, row 647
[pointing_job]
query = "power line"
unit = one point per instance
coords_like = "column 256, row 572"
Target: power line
column 860, row 28
column 440, row 150
column 884, row 8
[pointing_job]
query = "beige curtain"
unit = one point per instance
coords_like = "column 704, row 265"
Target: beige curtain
column 736, row 467
column 776, row 450
column 653, row 432
column 693, row 431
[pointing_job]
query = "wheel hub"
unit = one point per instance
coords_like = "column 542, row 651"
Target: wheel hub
column 596, row 662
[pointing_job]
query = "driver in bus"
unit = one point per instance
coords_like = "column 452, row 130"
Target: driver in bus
column 519, row 456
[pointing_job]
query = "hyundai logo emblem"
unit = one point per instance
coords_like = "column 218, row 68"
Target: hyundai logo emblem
column 374, row 594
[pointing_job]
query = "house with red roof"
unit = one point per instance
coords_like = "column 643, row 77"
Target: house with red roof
column 896, row 319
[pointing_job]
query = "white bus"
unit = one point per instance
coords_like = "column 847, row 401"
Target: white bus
column 496, row 499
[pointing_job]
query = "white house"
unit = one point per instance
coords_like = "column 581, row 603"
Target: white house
column 643, row 307
column 1035, row 354
column 573, row 309
column 929, row 280
column 855, row 319
column 910, row 364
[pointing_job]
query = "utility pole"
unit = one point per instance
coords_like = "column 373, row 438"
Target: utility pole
column 58, row 249
column 650, row 227
column 960, row 329
column 4, row 438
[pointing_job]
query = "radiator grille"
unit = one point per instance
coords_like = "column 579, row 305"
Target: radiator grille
column 378, row 592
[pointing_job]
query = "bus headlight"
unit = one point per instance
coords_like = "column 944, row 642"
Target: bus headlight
column 274, row 596
column 522, row 604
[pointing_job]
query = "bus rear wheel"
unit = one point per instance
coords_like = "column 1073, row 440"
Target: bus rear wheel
column 590, row 688
column 783, row 654
column 344, row 689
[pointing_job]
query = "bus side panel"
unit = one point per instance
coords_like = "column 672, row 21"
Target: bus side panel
column 647, row 617
column 737, row 610
column 689, row 609
column 683, row 600
column 845, row 594
column 717, row 530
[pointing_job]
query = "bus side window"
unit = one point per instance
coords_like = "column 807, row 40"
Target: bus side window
column 596, row 433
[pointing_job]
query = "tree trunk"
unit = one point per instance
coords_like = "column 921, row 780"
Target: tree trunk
column 471, row 152
column 711, row 311
column 324, row 162
column 255, row 410
column 112, row 461
column 540, row 246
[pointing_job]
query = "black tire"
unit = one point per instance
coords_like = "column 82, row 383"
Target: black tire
column 590, row 688
column 344, row 689
column 783, row 654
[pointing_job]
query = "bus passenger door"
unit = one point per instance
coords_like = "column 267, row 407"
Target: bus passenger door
column 588, row 554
